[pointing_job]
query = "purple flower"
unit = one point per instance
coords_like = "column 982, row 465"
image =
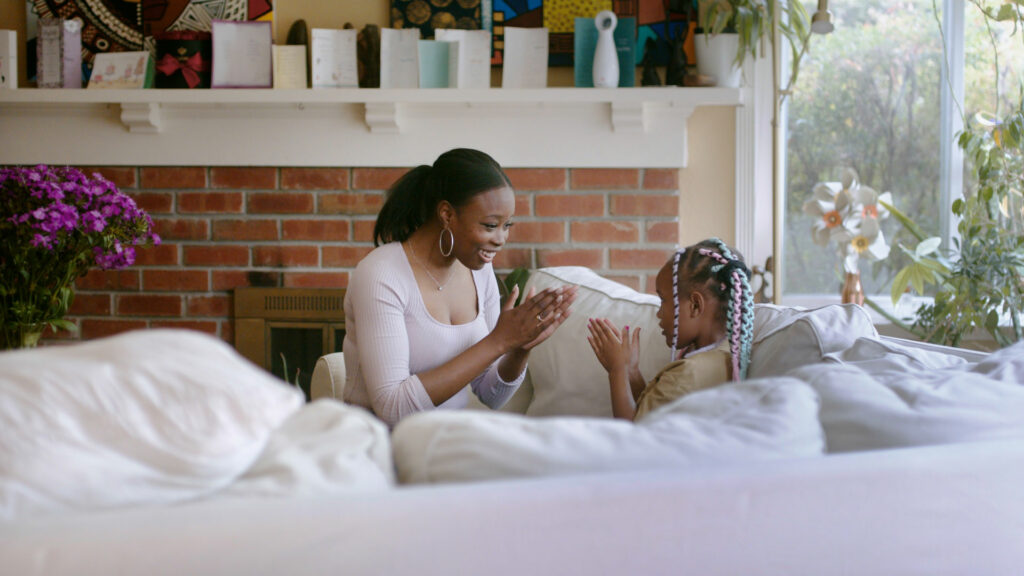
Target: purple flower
column 93, row 221
column 41, row 241
column 59, row 222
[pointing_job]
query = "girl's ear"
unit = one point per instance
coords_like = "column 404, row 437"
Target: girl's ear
column 697, row 304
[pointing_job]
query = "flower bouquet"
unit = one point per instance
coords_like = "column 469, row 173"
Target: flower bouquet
column 848, row 214
column 56, row 223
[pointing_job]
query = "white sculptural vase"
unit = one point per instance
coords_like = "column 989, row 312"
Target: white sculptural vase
column 606, row 59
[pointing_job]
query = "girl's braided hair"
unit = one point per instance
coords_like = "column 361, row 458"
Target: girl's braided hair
column 715, row 269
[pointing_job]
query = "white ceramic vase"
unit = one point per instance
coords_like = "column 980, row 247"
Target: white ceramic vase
column 606, row 59
column 716, row 56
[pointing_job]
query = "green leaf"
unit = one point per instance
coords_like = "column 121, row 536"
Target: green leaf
column 899, row 284
column 62, row 324
column 1007, row 13
column 905, row 220
column 929, row 246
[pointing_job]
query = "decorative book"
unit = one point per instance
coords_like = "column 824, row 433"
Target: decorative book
column 122, row 70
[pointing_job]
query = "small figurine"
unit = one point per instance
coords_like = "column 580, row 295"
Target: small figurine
column 650, row 75
column 368, row 50
column 675, row 71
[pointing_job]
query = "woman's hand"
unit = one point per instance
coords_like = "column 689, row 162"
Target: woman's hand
column 535, row 319
column 616, row 352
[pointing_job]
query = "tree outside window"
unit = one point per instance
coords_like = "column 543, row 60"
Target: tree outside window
column 868, row 98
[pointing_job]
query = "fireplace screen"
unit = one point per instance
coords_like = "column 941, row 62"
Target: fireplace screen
column 279, row 328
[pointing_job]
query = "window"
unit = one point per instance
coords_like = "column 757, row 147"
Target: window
column 870, row 97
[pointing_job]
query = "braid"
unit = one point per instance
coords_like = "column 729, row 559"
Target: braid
column 722, row 272
column 675, row 300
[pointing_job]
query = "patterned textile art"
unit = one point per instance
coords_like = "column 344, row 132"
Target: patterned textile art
column 127, row 25
column 430, row 14
column 107, row 26
column 198, row 15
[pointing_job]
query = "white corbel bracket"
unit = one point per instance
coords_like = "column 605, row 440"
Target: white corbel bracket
column 141, row 117
column 629, row 116
column 382, row 117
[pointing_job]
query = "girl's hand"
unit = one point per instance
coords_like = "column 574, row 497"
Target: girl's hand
column 536, row 318
column 614, row 351
column 632, row 341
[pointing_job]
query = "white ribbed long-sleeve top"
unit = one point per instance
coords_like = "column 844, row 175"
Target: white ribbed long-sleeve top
column 390, row 337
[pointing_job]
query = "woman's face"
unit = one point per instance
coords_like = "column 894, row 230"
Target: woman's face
column 482, row 225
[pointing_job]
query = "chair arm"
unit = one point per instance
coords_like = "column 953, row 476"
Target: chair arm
column 328, row 380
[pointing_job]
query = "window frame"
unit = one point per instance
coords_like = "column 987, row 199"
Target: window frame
column 951, row 169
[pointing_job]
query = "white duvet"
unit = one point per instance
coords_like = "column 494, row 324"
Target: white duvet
column 164, row 416
column 168, row 416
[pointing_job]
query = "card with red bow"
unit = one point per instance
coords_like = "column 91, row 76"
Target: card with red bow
column 183, row 59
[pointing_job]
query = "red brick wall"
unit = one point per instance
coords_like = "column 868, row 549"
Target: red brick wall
column 225, row 227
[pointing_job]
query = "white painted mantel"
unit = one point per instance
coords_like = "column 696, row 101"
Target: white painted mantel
column 643, row 127
column 552, row 127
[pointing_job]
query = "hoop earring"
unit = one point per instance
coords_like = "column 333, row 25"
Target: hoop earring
column 440, row 242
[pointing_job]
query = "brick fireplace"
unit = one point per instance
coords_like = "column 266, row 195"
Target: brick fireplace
column 228, row 227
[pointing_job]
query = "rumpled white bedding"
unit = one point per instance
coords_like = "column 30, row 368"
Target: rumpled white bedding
column 878, row 394
column 165, row 416
column 326, row 448
column 743, row 422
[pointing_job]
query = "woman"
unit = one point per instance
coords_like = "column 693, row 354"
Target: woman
column 423, row 317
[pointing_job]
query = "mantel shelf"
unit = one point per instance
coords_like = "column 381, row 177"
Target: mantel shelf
column 627, row 127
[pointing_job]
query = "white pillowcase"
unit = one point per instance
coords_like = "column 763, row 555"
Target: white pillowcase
column 145, row 417
column 786, row 338
column 566, row 377
column 741, row 422
column 878, row 395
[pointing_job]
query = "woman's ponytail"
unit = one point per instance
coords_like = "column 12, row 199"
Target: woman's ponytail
column 406, row 207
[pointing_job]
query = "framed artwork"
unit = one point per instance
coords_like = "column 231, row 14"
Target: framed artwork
column 653, row 18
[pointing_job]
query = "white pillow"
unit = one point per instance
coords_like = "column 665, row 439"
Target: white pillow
column 877, row 395
column 144, row 417
column 786, row 338
column 565, row 375
column 741, row 422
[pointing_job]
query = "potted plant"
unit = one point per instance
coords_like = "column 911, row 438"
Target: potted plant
column 56, row 224
column 979, row 280
column 735, row 29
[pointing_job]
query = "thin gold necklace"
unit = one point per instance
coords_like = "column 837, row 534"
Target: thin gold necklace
column 440, row 286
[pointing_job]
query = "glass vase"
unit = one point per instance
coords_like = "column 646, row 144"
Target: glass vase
column 853, row 292
column 17, row 336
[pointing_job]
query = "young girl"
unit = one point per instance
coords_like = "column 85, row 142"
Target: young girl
column 707, row 317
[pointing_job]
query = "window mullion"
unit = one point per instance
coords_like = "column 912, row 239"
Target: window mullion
column 951, row 175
